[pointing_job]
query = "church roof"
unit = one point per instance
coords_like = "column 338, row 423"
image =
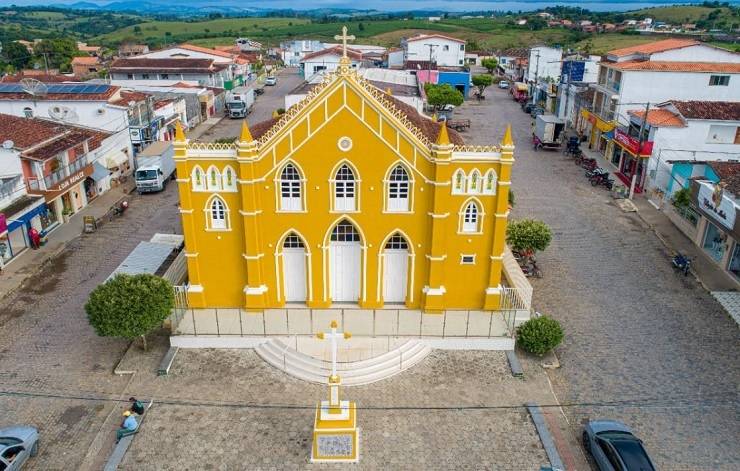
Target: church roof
column 430, row 129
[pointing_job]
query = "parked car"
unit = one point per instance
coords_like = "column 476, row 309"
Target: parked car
column 614, row 447
column 271, row 80
column 503, row 84
column 17, row 444
column 527, row 107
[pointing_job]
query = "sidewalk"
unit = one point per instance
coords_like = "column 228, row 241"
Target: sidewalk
column 203, row 127
column 31, row 261
column 712, row 277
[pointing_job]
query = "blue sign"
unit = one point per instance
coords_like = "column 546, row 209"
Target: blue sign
column 573, row 71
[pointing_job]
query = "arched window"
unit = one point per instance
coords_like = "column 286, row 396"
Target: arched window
column 290, row 189
column 474, row 182
column 198, row 179
column 345, row 189
column 213, row 179
column 458, row 183
column 217, row 214
column 293, row 241
column 489, row 183
column 229, row 179
column 28, row 112
column 471, row 218
column 399, row 189
column 345, row 232
column 398, row 242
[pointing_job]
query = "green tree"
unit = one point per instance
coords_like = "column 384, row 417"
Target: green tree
column 489, row 64
column 528, row 236
column 482, row 82
column 58, row 52
column 539, row 335
column 130, row 306
column 16, row 54
column 440, row 95
column 137, row 29
column 361, row 27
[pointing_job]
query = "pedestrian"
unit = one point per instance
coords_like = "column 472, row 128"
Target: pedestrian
column 137, row 407
column 128, row 426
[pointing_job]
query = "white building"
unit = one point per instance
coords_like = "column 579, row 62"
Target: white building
column 237, row 66
column 168, row 71
column 294, row 51
column 673, row 69
column 545, row 64
column 327, row 60
column 445, row 51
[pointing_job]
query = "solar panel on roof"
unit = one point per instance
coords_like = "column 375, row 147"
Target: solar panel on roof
column 10, row 88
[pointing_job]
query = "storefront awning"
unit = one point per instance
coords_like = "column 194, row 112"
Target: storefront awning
column 116, row 159
column 99, row 173
column 600, row 124
column 633, row 146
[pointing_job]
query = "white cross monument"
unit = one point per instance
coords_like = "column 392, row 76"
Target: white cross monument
column 344, row 37
column 336, row 437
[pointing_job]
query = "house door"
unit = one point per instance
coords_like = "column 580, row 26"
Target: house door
column 345, row 260
column 395, row 269
column 294, row 269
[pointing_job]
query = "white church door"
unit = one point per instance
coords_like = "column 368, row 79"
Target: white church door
column 395, row 269
column 294, row 269
column 345, row 257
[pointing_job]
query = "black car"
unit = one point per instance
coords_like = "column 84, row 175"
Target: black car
column 614, row 447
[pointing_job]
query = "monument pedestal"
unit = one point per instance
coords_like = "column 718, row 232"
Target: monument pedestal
column 336, row 437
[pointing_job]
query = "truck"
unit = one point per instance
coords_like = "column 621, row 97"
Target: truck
column 549, row 132
column 154, row 166
column 239, row 102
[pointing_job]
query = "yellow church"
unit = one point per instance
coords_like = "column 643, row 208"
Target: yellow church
column 349, row 199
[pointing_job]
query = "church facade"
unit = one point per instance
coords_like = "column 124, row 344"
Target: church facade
column 351, row 198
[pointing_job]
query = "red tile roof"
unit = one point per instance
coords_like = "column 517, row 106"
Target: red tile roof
column 421, row 37
column 85, row 61
column 42, row 78
column 659, row 118
column 715, row 110
column 729, row 174
column 671, row 66
column 41, row 139
column 129, row 96
column 652, row 48
column 205, row 50
column 336, row 50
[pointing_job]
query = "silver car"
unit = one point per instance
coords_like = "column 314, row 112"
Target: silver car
column 614, row 447
column 17, row 444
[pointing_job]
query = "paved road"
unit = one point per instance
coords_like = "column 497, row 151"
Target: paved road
column 48, row 348
column 634, row 329
column 264, row 106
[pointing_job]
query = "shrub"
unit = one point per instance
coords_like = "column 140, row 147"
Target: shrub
column 682, row 198
column 528, row 235
column 130, row 306
column 539, row 335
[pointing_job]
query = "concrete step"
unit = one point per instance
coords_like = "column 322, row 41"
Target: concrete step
column 277, row 353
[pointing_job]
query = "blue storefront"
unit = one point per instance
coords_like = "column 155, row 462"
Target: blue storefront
column 459, row 80
column 14, row 238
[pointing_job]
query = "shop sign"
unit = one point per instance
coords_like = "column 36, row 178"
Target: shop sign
column 3, row 223
column 71, row 181
column 712, row 201
column 633, row 145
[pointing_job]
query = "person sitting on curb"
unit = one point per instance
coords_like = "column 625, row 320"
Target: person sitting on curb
column 128, row 426
column 137, row 407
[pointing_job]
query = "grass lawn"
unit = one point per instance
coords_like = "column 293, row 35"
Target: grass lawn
column 601, row 43
column 677, row 14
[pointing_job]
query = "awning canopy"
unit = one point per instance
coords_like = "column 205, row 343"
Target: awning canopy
column 99, row 173
column 116, row 159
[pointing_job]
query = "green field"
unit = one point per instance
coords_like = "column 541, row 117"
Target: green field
column 678, row 14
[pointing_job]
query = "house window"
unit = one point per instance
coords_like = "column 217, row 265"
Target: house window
column 398, row 190
column 470, row 218
column 719, row 80
column 214, row 179
column 292, row 241
column 462, row 47
column 460, row 62
column 467, row 259
column 130, row 76
column 145, row 76
column 397, row 241
column 229, row 179
column 198, row 179
column 458, row 185
column 489, row 183
column 345, row 190
column 445, row 48
column 28, row 112
column 217, row 214
column 290, row 189
column 164, row 76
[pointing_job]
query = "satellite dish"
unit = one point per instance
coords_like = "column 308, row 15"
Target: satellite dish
column 33, row 87
column 63, row 113
column 8, row 144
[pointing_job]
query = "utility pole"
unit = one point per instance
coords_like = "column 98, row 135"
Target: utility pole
column 46, row 62
column 536, row 76
column 567, row 90
column 429, row 66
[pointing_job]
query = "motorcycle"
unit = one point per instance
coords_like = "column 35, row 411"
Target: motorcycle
column 531, row 269
column 602, row 179
column 589, row 164
column 681, row 263
column 598, row 171
column 118, row 209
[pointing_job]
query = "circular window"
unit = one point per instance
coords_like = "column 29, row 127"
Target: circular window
column 344, row 144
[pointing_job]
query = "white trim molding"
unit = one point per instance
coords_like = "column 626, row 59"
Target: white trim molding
column 436, row 259
column 195, row 289
column 434, row 291
column 191, row 254
column 253, row 257
column 261, row 289
column 494, row 290
column 438, row 216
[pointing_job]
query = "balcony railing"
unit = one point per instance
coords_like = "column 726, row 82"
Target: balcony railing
column 57, row 176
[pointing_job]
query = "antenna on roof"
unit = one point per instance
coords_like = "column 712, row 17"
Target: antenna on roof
column 33, row 87
column 64, row 114
column 8, row 144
